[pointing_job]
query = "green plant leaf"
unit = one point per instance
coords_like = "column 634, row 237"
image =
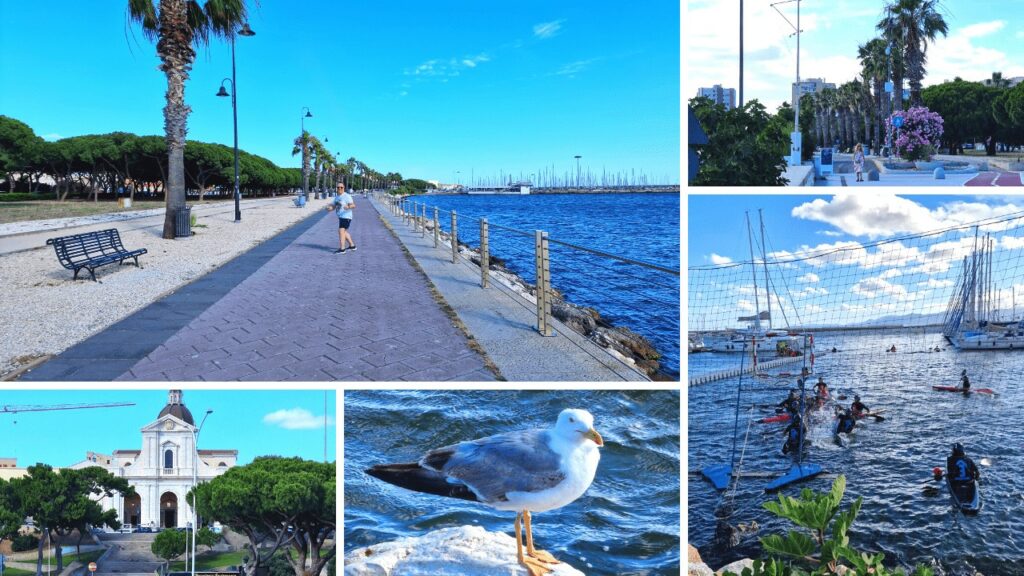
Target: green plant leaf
column 795, row 544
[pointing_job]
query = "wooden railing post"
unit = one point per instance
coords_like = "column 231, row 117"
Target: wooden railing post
column 485, row 256
column 455, row 237
column 437, row 229
column 543, row 276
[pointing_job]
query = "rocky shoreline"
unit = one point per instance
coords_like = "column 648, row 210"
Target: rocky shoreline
column 621, row 342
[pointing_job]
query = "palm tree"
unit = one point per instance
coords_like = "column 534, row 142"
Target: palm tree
column 302, row 144
column 875, row 65
column 997, row 81
column 177, row 25
column 915, row 23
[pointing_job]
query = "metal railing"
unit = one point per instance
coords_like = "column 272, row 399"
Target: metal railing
column 571, row 261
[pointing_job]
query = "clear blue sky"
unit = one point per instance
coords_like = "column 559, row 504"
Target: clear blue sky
column 61, row 438
column 422, row 88
column 985, row 36
column 914, row 275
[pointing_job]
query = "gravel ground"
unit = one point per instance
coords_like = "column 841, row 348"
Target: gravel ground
column 44, row 312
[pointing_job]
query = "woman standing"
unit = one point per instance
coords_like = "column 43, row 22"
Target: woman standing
column 858, row 162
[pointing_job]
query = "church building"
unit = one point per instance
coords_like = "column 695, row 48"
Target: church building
column 161, row 471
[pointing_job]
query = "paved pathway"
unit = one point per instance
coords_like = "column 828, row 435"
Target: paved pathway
column 289, row 309
column 996, row 178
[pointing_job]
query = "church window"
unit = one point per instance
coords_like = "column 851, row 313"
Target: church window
column 168, row 459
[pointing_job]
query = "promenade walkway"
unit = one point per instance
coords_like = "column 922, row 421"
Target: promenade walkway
column 290, row 309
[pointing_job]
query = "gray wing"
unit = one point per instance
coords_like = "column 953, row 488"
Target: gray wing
column 496, row 465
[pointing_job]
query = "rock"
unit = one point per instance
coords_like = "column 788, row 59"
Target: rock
column 458, row 551
column 699, row 569
column 582, row 320
column 939, row 173
column 736, row 567
column 692, row 554
column 873, row 176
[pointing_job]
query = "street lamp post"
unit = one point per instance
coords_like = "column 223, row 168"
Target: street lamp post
column 195, row 482
column 577, row 157
column 245, row 31
column 741, row 54
column 302, row 142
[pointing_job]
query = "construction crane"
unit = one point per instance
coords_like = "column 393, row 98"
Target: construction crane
column 14, row 409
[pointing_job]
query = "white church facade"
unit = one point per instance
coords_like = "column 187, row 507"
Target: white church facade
column 161, row 471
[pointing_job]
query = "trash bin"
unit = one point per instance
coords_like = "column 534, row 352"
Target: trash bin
column 183, row 222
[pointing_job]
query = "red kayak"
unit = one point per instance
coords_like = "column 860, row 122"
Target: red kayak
column 957, row 389
column 774, row 419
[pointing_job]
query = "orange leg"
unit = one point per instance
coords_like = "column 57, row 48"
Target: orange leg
column 530, row 550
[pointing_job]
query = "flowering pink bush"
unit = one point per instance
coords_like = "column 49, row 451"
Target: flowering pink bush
column 919, row 136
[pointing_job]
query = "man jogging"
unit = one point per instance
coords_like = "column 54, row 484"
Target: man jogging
column 343, row 203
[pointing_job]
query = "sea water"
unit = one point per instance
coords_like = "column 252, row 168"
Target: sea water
column 643, row 227
column 626, row 523
column 887, row 463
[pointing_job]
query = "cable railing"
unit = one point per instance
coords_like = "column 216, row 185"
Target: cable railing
column 645, row 295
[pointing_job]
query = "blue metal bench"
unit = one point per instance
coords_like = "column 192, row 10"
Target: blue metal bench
column 90, row 250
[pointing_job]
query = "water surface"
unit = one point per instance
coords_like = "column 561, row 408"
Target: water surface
column 887, row 463
column 626, row 523
column 642, row 227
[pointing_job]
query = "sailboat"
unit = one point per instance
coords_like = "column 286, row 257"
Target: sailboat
column 766, row 342
column 969, row 322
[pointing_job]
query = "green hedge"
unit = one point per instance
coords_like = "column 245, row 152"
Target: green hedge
column 25, row 196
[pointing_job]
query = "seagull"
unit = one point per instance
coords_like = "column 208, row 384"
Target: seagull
column 524, row 471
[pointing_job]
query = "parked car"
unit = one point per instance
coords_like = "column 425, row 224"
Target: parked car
column 126, row 529
column 144, row 530
column 969, row 146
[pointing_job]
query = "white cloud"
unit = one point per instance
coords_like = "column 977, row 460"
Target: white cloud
column 933, row 283
column 878, row 287
column 809, row 278
column 719, row 260
column 547, row 29
column 447, row 68
column 573, row 68
column 296, row 419
column 964, row 53
column 883, row 215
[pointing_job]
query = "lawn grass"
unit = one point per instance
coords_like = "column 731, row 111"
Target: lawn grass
column 981, row 153
column 209, row 561
column 69, row 558
column 48, row 209
column 8, row 571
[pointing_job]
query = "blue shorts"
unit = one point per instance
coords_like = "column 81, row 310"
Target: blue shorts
column 344, row 222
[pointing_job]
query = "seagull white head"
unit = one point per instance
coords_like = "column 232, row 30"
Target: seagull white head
column 577, row 425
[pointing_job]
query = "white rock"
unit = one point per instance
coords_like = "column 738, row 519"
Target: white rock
column 699, row 569
column 737, row 566
column 459, row 551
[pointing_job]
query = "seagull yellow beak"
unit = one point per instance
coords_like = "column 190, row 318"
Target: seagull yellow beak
column 593, row 435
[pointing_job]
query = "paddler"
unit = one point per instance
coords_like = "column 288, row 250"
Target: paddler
column 795, row 433
column 858, row 407
column 791, row 403
column 959, row 467
column 846, row 422
column 965, row 382
column 821, row 389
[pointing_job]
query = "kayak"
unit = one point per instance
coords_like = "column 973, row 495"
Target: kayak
column 966, row 495
column 958, row 389
column 774, row 419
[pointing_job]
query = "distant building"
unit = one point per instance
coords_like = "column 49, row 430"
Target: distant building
column 809, row 86
column 161, row 471
column 725, row 96
column 9, row 469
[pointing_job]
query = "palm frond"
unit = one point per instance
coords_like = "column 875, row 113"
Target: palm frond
column 144, row 12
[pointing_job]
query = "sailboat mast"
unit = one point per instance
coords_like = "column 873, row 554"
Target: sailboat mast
column 764, row 261
column 753, row 269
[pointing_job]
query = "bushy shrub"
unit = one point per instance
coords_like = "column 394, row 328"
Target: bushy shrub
column 25, row 196
column 919, row 136
column 23, row 542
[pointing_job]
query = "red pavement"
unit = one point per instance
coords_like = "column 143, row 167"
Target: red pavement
column 996, row 179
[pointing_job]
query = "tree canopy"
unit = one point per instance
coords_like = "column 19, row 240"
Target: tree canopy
column 288, row 501
column 64, row 501
column 745, row 146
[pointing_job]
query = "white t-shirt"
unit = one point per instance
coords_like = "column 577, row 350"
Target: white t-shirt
column 340, row 201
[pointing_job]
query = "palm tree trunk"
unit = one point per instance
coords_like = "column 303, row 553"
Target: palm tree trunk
column 176, row 54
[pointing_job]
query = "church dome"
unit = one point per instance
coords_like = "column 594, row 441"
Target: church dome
column 176, row 408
